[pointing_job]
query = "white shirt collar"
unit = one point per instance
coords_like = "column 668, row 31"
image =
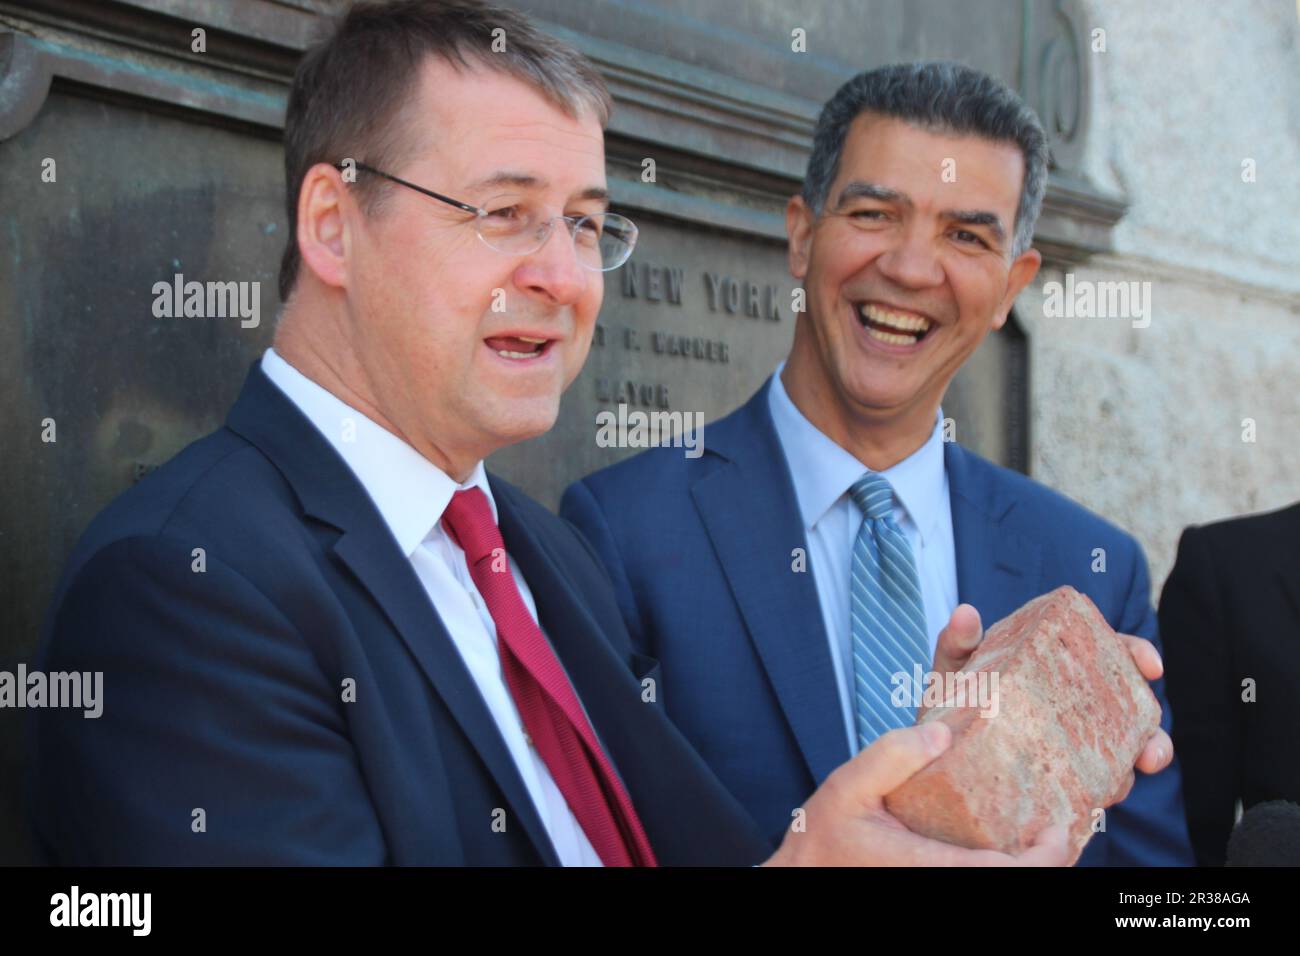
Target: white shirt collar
column 409, row 491
column 823, row 471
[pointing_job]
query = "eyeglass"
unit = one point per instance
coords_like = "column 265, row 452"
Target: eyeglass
column 518, row 226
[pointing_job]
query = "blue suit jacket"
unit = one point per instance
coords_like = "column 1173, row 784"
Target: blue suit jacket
column 700, row 553
column 223, row 688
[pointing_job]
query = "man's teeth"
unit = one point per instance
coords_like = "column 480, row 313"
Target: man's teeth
column 908, row 329
column 891, row 338
column 518, row 353
column 904, row 323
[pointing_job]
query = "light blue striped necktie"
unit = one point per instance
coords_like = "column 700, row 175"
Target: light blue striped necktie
column 889, row 635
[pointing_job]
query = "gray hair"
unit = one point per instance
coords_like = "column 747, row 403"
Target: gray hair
column 942, row 96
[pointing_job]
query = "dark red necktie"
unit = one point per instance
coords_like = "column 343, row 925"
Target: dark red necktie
column 547, row 703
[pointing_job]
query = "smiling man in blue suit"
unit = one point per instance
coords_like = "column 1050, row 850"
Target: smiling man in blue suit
column 912, row 240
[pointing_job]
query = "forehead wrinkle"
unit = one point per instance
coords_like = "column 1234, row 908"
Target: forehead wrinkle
column 499, row 148
column 522, row 134
column 537, row 128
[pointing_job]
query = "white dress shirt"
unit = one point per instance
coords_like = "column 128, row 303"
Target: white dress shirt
column 823, row 472
column 411, row 493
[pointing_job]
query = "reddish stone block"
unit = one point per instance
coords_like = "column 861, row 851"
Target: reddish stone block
column 1073, row 713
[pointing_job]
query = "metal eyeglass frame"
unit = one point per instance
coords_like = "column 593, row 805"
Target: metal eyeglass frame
column 478, row 212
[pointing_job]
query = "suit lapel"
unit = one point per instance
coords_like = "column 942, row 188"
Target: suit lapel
column 750, row 513
column 330, row 492
column 639, row 742
column 585, row 652
column 998, row 569
column 386, row 573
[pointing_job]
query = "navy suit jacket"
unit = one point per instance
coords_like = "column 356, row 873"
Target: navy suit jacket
column 224, row 688
column 700, row 551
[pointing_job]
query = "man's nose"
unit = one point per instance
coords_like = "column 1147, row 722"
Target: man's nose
column 912, row 261
column 553, row 273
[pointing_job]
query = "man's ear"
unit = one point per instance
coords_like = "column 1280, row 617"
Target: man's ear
column 1022, row 273
column 323, row 209
column 799, row 220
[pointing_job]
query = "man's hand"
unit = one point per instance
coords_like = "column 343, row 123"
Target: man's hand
column 845, row 822
column 958, row 641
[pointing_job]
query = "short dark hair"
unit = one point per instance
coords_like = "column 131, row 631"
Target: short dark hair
column 942, row 96
column 350, row 91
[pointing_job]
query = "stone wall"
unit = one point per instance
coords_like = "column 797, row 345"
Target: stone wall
column 1145, row 424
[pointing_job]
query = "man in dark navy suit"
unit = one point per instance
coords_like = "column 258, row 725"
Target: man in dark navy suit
column 327, row 635
column 829, row 540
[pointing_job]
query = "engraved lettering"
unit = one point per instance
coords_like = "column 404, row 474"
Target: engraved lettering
column 675, row 286
column 630, row 287
column 713, row 286
column 773, row 310
column 733, row 293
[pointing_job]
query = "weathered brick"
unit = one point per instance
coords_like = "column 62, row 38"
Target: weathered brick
column 1073, row 714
